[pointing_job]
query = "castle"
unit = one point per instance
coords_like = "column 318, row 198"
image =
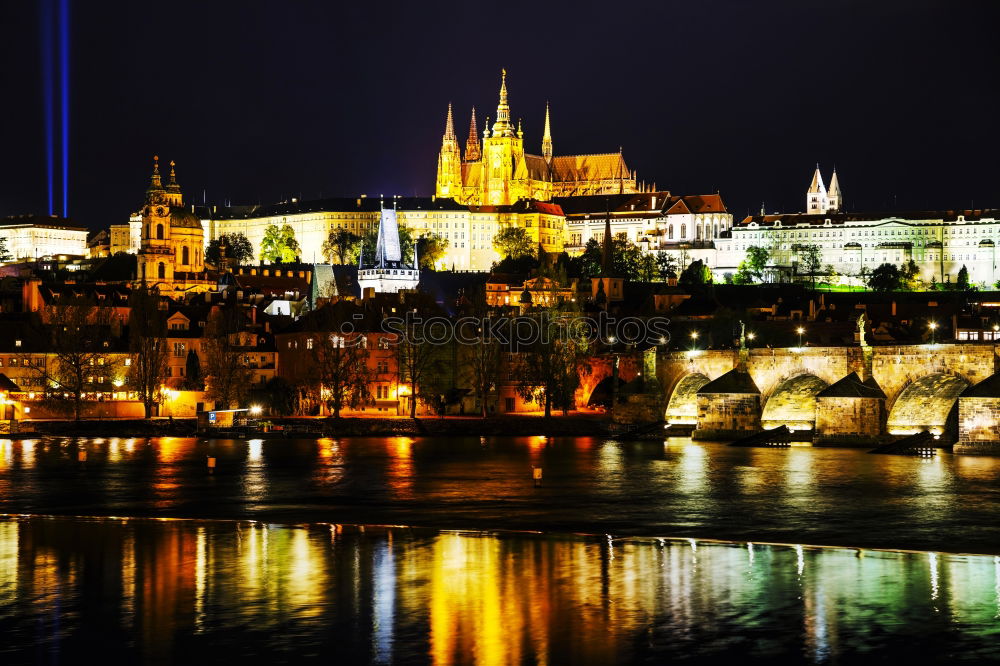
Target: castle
column 498, row 172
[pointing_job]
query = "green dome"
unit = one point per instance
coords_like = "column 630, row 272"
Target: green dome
column 182, row 217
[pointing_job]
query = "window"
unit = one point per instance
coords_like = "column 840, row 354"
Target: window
column 309, row 343
column 17, row 343
column 159, row 232
column 128, row 362
column 185, row 255
column 179, row 349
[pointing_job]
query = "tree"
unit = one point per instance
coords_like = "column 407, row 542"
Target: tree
column 430, row 249
column 192, row 372
column 812, row 260
column 513, row 243
column 79, row 336
column 666, row 265
column 550, row 366
column 910, row 275
column 697, row 273
column 228, row 375
column 885, row 278
column 5, row 254
column 279, row 244
column 480, row 350
column 416, row 361
column 340, row 245
column 756, row 260
column 588, row 264
column 340, row 371
column 238, row 249
column 962, row 284
column 147, row 327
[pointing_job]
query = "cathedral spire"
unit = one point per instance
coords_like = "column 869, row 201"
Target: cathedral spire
column 502, row 126
column 472, row 143
column 835, row 197
column 449, row 126
column 547, row 137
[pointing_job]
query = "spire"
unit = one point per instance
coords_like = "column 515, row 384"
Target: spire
column 834, row 184
column 154, row 182
column 835, row 198
column 547, row 137
column 172, row 179
column 472, row 143
column 817, row 187
column 449, row 126
column 502, row 125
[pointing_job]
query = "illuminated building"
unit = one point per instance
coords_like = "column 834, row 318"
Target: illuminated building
column 387, row 272
column 498, row 172
column 36, row 236
column 173, row 239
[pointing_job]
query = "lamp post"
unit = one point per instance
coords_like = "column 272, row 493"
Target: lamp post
column 694, row 339
column 750, row 337
column 933, row 326
column 800, row 331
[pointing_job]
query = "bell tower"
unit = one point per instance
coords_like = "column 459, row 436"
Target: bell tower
column 503, row 150
column 154, row 259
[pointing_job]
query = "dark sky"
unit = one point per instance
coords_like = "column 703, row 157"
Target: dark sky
column 257, row 101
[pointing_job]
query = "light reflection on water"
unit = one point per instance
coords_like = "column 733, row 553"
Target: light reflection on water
column 153, row 590
column 675, row 487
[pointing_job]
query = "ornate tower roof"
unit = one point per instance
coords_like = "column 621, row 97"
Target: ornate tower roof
column 155, row 183
column 172, row 185
column 472, row 143
column 547, row 137
column 502, row 126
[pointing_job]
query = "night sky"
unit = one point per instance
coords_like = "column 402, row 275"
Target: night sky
column 260, row 101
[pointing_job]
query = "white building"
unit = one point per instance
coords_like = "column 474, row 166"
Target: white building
column 685, row 225
column 36, row 236
column 127, row 237
column 386, row 272
column 821, row 200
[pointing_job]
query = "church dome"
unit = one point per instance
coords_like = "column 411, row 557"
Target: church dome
column 182, row 217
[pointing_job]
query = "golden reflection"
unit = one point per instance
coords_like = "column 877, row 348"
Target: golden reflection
column 28, row 453
column 6, row 453
column 255, row 479
column 399, row 472
column 330, row 465
column 693, row 476
column 9, row 544
column 114, row 450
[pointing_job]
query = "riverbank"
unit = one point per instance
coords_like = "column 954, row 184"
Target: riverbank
column 576, row 425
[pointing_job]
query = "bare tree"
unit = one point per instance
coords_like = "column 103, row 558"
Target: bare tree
column 549, row 367
column 81, row 358
column 340, row 372
column 416, row 360
column 227, row 369
column 147, row 346
column 480, row 357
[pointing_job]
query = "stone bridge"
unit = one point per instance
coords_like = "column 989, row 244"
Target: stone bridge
column 896, row 390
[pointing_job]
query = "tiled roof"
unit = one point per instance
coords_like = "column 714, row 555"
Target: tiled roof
column 820, row 219
column 852, row 386
column 589, row 167
column 988, row 388
column 733, row 381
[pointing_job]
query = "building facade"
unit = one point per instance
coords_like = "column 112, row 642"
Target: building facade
column 36, row 236
column 498, row 172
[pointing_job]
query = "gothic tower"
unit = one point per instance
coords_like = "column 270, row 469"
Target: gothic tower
column 472, row 153
column 503, row 150
column 449, row 171
column 547, row 138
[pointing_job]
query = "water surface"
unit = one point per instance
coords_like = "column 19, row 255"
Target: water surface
column 800, row 495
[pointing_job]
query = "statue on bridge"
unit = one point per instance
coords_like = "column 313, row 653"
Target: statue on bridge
column 861, row 330
column 743, row 335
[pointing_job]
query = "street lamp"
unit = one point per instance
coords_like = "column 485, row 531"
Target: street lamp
column 694, row 339
column 751, row 336
column 800, row 331
column 255, row 410
column 933, row 326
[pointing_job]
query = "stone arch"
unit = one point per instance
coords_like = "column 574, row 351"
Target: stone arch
column 928, row 403
column 682, row 408
column 793, row 403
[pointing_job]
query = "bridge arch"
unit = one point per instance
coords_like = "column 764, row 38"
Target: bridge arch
column 793, row 403
column 927, row 403
column 682, row 408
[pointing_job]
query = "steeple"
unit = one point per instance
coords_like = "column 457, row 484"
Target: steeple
column 449, row 127
column 472, row 143
column 835, row 199
column 547, row 137
column 154, row 182
column 817, row 201
column 502, row 126
column 172, row 185
column 607, row 261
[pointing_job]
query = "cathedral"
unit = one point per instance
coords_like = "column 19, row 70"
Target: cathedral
column 172, row 238
column 498, row 172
